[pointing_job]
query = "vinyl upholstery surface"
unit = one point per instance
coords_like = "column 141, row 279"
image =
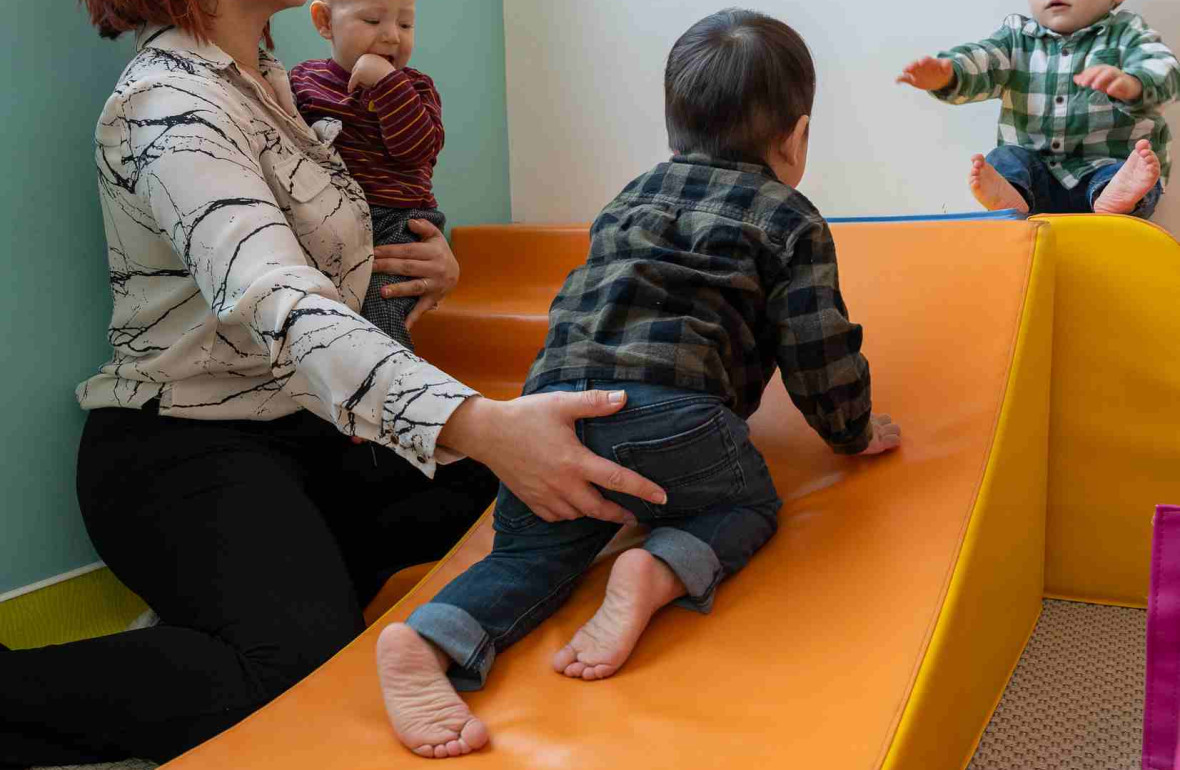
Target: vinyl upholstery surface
column 843, row 642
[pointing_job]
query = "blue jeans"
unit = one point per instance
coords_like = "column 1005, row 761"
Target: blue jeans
column 1027, row 172
column 722, row 507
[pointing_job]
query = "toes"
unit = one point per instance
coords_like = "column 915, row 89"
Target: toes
column 474, row 735
column 425, row 751
column 575, row 669
column 563, row 658
column 601, row 671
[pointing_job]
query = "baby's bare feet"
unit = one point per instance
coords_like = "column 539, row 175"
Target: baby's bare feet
column 639, row 585
column 993, row 191
column 1137, row 176
column 426, row 712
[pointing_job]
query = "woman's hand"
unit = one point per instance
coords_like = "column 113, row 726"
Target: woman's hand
column 530, row 444
column 430, row 261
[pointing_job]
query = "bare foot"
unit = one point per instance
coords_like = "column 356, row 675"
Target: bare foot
column 639, row 585
column 1137, row 176
column 993, row 191
column 426, row 712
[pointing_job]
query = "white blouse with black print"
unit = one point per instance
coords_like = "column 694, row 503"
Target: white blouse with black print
column 240, row 251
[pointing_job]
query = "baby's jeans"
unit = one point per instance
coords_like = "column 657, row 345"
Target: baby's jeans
column 722, row 507
column 1028, row 173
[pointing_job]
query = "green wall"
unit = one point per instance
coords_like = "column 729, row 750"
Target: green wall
column 54, row 299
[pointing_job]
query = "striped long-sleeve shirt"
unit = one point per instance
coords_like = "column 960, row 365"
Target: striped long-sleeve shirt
column 1076, row 130
column 392, row 133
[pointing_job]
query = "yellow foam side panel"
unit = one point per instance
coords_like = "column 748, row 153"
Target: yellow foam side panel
column 1115, row 424
column 994, row 598
column 97, row 604
column 94, row 604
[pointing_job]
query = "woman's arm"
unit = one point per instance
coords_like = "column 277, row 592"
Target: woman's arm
column 184, row 146
column 194, row 176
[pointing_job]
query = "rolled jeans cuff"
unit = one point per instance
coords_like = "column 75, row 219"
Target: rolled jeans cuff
column 461, row 637
column 693, row 561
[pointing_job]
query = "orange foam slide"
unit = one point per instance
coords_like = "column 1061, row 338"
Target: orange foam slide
column 879, row 626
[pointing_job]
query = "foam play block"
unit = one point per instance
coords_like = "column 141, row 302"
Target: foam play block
column 877, row 629
column 1115, row 440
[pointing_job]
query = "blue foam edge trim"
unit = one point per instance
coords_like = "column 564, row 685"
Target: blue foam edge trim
column 1003, row 215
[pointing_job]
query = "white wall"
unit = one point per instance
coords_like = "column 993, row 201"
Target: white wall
column 585, row 100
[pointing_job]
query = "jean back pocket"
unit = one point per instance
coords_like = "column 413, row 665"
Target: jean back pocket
column 698, row 468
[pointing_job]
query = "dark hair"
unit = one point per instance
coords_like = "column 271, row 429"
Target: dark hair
column 736, row 82
column 114, row 17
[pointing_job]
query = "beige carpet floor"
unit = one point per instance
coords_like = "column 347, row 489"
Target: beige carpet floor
column 1075, row 701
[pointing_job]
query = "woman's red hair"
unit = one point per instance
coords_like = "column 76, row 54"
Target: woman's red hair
column 114, row 17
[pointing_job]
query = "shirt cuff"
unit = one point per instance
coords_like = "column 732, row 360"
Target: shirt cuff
column 955, row 89
column 1146, row 100
column 858, row 444
column 419, row 404
column 392, row 83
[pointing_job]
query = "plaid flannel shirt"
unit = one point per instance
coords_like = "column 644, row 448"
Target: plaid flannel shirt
column 1076, row 130
column 707, row 275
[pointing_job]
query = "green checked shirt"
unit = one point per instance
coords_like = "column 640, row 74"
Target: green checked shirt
column 1076, row 130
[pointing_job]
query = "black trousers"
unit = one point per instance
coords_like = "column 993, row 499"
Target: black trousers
column 258, row 544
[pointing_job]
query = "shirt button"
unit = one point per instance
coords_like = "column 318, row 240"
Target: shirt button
column 1056, row 145
column 1061, row 100
column 1065, row 52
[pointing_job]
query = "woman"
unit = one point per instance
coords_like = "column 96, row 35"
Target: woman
column 216, row 474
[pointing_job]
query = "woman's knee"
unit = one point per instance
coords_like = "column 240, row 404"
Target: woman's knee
column 278, row 665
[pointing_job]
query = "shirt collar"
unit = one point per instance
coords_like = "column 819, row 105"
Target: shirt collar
column 176, row 41
column 701, row 159
column 173, row 40
column 1033, row 28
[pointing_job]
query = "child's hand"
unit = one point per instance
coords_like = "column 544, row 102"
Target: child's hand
column 928, row 74
column 368, row 71
column 1111, row 81
column 886, row 435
